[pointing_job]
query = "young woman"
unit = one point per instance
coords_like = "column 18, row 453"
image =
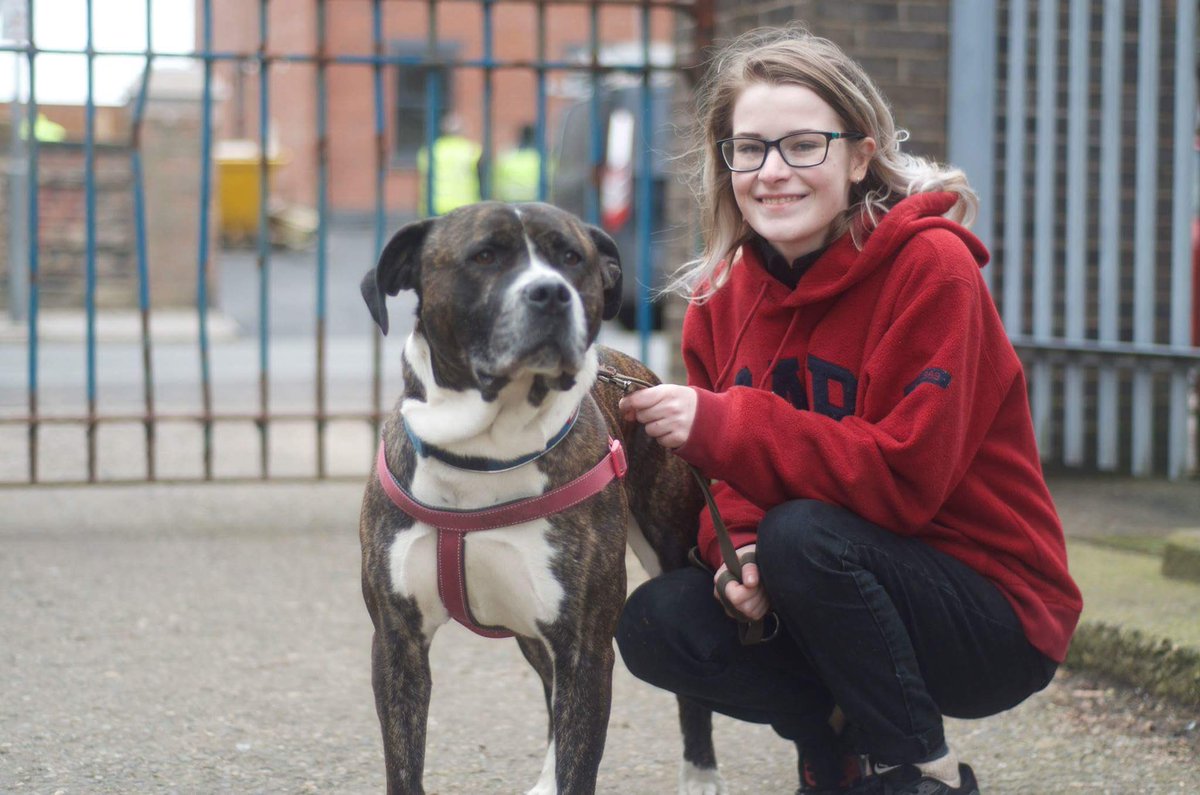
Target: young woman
column 853, row 395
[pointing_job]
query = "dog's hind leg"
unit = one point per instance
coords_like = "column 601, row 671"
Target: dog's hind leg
column 698, row 773
column 401, row 679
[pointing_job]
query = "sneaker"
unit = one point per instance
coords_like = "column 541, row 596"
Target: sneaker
column 907, row 780
column 840, row 776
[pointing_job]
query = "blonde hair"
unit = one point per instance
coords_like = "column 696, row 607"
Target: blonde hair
column 791, row 55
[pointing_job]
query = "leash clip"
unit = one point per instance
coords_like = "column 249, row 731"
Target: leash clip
column 627, row 383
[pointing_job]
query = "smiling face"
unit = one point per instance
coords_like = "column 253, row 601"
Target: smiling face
column 794, row 208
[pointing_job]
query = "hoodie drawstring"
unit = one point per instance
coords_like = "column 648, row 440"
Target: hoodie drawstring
column 762, row 382
column 741, row 333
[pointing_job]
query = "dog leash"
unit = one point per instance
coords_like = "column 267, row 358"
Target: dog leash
column 750, row 631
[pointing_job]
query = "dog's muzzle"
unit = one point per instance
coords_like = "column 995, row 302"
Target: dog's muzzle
column 540, row 330
column 547, row 298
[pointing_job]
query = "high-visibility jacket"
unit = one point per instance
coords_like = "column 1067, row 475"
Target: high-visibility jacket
column 44, row 129
column 455, row 173
column 517, row 173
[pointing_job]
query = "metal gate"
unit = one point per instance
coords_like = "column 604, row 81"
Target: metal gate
column 108, row 374
column 1076, row 121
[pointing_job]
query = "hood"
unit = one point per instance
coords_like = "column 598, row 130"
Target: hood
column 842, row 265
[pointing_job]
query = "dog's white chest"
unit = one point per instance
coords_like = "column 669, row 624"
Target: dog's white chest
column 508, row 574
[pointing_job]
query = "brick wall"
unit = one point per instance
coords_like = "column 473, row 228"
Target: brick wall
column 903, row 45
column 173, row 170
column 170, row 146
column 62, row 228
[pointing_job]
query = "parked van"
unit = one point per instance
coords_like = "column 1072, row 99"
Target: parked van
column 614, row 182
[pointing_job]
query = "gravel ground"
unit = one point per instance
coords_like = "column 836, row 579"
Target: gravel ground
column 144, row 654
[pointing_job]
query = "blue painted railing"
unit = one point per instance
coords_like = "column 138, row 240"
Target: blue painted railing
column 210, row 55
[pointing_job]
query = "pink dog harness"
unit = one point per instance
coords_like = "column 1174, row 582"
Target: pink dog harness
column 452, row 526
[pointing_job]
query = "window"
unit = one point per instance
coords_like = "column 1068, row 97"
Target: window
column 420, row 89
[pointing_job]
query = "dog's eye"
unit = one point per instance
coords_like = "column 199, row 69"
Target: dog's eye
column 484, row 256
column 570, row 257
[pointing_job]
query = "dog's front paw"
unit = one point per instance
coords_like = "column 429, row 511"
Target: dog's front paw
column 700, row 780
column 546, row 784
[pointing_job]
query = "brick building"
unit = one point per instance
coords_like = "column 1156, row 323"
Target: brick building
column 902, row 44
column 406, row 26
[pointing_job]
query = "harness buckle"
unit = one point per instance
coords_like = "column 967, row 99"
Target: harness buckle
column 616, row 455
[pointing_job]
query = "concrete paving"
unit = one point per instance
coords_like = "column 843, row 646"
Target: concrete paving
column 212, row 638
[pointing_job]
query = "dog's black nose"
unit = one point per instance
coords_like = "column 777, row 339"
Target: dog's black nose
column 547, row 295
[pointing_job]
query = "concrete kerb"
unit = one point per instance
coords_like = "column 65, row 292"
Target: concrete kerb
column 1138, row 627
column 1181, row 557
column 1156, row 665
column 166, row 325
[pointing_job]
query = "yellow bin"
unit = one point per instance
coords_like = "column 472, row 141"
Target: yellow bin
column 238, row 188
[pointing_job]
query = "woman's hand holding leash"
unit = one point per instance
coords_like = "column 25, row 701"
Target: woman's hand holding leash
column 746, row 599
column 666, row 411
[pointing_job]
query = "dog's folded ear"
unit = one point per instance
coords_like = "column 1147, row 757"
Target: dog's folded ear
column 399, row 268
column 610, row 270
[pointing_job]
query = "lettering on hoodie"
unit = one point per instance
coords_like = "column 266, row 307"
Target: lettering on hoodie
column 826, row 378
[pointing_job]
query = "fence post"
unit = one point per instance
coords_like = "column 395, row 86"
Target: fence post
column 970, row 133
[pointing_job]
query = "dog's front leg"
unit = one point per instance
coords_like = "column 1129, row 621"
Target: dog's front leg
column 581, row 703
column 401, row 679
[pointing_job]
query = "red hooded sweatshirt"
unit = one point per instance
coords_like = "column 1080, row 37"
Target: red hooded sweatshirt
column 883, row 383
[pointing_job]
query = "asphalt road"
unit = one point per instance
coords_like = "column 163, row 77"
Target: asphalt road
column 193, row 639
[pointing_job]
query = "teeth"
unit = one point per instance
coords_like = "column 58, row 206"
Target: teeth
column 785, row 200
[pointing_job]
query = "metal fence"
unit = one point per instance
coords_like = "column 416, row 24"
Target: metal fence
column 1084, row 158
column 26, row 419
column 1073, row 118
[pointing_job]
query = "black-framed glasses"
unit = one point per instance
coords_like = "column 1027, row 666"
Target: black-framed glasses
column 799, row 150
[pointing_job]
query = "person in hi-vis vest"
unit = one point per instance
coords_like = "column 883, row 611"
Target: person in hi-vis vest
column 456, row 164
column 519, row 169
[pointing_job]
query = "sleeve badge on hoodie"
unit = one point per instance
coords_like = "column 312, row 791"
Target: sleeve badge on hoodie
column 930, row 375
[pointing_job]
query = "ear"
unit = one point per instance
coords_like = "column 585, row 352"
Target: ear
column 399, row 268
column 863, row 152
column 610, row 270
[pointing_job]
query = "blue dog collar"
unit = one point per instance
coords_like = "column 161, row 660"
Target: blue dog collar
column 482, row 463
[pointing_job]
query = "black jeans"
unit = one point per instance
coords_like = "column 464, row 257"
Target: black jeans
column 889, row 629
